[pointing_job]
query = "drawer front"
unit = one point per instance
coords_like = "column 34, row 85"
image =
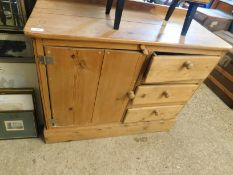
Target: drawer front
column 180, row 68
column 152, row 113
column 156, row 94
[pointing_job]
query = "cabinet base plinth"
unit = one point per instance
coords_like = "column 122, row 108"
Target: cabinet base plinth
column 65, row 134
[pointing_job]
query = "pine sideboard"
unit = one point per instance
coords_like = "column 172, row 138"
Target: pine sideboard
column 99, row 82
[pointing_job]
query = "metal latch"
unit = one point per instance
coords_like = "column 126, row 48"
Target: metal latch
column 144, row 49
column 46, row 60
column 52, row 121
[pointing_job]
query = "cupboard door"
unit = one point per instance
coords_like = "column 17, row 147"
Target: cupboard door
column 118, row 76
column 73, row 80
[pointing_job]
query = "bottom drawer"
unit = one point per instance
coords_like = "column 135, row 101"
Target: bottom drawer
column 152, row 113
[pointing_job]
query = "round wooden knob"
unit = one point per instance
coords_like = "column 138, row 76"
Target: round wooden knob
column 188, row 65
column 131, row 95
column 166, row 94
column 155, row 112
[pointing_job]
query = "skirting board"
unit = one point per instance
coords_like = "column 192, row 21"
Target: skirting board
column 82, row 133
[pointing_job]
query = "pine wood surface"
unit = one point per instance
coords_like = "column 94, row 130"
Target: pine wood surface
column 152, row 94
column 72, row 20
column 152, row 113
column 73, row 133
column 173, row 68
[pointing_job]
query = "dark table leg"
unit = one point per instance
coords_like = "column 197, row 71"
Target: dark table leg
column 119, row 10
column 171, row 9
column 189, row 17
column 109, row 6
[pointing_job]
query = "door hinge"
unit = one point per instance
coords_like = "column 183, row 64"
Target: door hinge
column 46, row 60
column 52, row 121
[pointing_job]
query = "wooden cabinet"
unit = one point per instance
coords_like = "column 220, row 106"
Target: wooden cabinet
column 89, row 85
column 99, row 82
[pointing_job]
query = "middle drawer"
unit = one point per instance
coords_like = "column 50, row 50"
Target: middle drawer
column 157, row 94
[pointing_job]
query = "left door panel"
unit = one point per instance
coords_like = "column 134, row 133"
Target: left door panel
column 73, row 81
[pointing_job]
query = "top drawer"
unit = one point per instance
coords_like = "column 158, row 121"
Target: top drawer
column 168, row 68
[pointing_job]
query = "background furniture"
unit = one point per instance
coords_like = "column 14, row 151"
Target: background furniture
column 17, row 63
column 100, row 82
column 221, row 78
column 213, row 19
column 223, row 5
column 193, row 5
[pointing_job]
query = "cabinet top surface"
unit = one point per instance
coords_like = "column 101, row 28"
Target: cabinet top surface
column 141, row 24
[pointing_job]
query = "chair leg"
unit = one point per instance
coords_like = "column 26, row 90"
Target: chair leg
column 189, row 17
column 119, row 9
column 171, row 9
column 108, row 7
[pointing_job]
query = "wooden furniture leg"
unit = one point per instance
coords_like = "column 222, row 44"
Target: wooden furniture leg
column 189, row 17
column 171, row 9
column 119, row 10
column 108, row 6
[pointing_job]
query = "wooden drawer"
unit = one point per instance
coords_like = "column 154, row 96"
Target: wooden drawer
column 165, row 68
column 156, row 94
column 152, row 113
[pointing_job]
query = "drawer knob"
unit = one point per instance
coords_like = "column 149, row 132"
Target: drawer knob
column 155, row 112
column 167, row 94
column 188, row 65
column 131, row 95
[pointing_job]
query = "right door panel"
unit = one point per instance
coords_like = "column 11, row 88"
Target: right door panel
column 118, row 76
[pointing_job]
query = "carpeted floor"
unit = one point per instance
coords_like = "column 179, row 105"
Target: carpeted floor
column 201, row 143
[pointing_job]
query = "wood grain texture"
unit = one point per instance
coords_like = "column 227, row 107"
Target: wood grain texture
column 118, row 76
column 221, row 87
column 73, row 80
column 152, row 94
column 173, row 68
column 82, row 133
column 152, row 113
column 72, row 20
column 224, row 73
column 130, row 46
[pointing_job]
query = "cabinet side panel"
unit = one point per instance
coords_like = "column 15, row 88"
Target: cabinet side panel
column 42, row 77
